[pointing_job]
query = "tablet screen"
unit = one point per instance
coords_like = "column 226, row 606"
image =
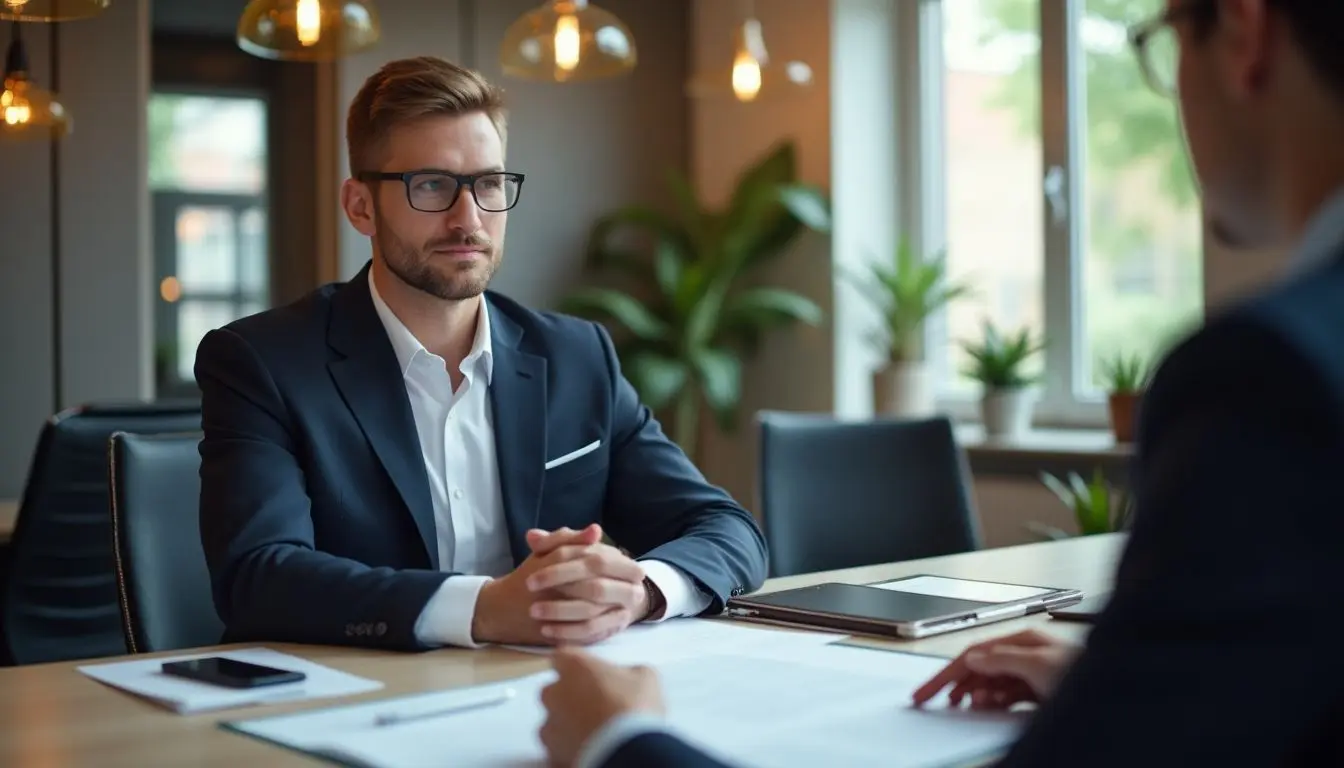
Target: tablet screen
column 962, row 589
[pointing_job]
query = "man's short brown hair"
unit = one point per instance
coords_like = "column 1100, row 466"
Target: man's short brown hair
column 407, row 90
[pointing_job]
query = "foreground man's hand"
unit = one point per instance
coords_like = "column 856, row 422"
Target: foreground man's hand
column 995, row 675
column 577, row 607
column 587, row 695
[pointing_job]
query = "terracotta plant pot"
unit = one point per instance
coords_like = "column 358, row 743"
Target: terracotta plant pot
column 1124, row 415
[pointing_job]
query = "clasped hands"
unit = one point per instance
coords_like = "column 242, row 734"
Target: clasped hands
column 572, row 589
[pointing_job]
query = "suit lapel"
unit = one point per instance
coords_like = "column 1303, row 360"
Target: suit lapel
column 518, row 406
column 370, row 380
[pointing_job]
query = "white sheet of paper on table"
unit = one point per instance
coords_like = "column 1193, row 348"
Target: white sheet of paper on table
column 684, row 638
column 143, row 678
column 768, row 708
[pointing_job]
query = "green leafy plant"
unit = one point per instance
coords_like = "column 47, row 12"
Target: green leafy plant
column 1124, row 374
column 999, row 361
column 1098, row 506
column 907, row 292
column 689, row 318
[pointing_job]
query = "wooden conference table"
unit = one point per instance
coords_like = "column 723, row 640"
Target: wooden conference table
column 51, row 715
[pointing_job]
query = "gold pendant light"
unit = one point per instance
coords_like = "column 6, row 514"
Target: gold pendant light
column 51, row 10
column 27, row 111
column 306, row 30
column 567, row 41
column 752, row 72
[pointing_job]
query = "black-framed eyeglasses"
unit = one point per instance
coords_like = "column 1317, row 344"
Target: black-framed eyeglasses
column 1157, row 47
column 434, row 191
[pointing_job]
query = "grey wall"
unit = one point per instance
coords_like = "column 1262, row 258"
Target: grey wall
column 102, row 235
column 586, row 147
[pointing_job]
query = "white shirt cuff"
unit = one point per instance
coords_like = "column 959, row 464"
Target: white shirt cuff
column 683, row 597
column 612, row 736
column 446, row 618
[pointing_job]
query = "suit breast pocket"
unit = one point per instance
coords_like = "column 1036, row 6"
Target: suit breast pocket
column 589, row 459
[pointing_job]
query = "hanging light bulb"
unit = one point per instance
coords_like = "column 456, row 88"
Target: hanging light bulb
column 752, row 71
column 51, row 10
column 567, row 41
column 306, row 30
column 27, row 111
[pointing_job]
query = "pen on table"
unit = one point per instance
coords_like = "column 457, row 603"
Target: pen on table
column 491, row 699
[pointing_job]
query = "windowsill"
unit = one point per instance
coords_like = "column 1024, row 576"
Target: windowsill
column 1057, row 451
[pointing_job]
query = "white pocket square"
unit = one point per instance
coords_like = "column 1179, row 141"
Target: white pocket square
column 572, row 455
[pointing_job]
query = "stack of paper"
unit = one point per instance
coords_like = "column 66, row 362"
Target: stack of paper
column 769, row 707
column 687, row 638
column 145, row 678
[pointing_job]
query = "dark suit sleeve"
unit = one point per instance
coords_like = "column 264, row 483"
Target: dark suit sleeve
column 659, row 505
column 269, row 581
column 659, row 750
column 1220, row 645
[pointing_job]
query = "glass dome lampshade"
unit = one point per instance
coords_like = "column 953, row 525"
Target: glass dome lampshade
column 567, row 41
column 51, row 10
column 306, row 30
column 27, row 111
column 753, row 76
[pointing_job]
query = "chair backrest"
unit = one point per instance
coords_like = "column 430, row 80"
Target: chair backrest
column 836, row 494
column 60, row 596
column 165, row 588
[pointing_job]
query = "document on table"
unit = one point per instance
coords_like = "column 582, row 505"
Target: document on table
column 685, row 638
column 145, row 678
column 775, row 707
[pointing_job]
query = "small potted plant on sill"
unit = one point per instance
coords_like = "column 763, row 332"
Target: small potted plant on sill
column 906, row 293
column 998, row 362
column 1098, row 506
column 1125, row 378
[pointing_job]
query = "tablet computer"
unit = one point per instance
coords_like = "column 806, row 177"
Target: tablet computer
column 1086, row 611
column 910, row 607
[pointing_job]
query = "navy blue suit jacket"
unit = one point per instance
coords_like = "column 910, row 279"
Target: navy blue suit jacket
column 316, row 516
column 1220, row 644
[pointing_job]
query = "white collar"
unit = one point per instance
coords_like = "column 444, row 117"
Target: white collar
column 407, row 347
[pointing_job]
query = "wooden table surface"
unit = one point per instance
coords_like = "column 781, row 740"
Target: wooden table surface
column 9, row 514
column 51, row 715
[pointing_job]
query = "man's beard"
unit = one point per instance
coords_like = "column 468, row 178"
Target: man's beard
column 450, row 280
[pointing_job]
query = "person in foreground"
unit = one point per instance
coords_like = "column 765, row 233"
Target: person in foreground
column 408, row 460
column 1220, row 642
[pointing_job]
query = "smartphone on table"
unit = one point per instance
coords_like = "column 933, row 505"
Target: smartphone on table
column 230, row 673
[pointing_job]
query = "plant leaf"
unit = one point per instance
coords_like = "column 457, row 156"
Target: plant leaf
column 808, row 204
column 667, row 268
column 720, row 376
column 657, row 378
column 611, row 304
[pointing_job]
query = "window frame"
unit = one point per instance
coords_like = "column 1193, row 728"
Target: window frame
column 1063, row 399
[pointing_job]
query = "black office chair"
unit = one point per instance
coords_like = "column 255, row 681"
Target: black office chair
column 836, row 494
column 60, row 597
column 166, row 602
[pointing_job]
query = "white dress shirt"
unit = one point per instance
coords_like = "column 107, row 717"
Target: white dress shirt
column 457, row 439
column 1322, row 238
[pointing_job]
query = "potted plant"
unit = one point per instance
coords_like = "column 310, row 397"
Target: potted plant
column 998, row 362
column 906, row 293
column 1124, row 377
column 693, row 311
column 1098, row 506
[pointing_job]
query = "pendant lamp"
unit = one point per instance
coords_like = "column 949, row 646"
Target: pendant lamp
column 567, row 41
column 753, row 75
column 306, row 30
column 27, row 111
column 51, row 10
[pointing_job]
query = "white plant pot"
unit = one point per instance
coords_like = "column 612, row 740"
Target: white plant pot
column 904, row 390
column 1007, row 412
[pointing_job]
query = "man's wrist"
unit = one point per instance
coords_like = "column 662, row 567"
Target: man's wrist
column 481, row 629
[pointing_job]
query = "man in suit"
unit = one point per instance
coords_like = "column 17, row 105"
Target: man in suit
column 408, row 460
column 1220, row 643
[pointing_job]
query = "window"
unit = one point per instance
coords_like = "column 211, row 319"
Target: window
column 208, row 175
column 1065, row 197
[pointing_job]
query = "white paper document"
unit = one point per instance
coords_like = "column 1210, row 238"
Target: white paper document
column 772, row 708
column 684, row 638
column 145, row 678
